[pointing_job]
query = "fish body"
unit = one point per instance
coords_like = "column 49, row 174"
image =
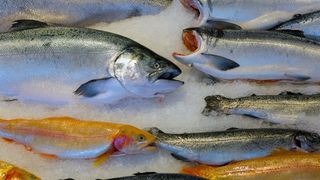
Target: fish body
column 288, row 165
column 78, row 12
column 221, row 147
column 308, row 23
column 158, row 176
column 250, row 14
column 252, row 55
column 53, row 65
column 11, row 172
column 68, row 138
column 274, row 108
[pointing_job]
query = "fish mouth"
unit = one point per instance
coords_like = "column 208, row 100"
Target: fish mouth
column 192, row 5
column 149, row 148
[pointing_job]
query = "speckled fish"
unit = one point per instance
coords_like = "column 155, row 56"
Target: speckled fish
column 308, row 24
column 286, row 107
column 55, row 65
column 77, row 12
column 278, row 166
column 221, row 147
column 68, row 138
column 252, row 55
column 11, row 172
column 249, row 14
column 158, row 176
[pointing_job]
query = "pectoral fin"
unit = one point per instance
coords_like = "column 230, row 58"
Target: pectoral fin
column 93, row 88
column 219, row 24
column 297, row 77
column 180, row 158
column 24, row 24
column 219, row 62
column 103, row 157
column 297, row 33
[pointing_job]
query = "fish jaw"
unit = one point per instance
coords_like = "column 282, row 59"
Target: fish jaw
column 200, row 8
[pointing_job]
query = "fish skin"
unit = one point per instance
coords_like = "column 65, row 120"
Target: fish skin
column 249, row 14
column 158, row 176
column 280, row 166
column 308, row 23
column 68, row 138
column 253, row 55
column 221, row 147
column 78, row 13
column 88, row 62
column 9, row 171
column 272, row 108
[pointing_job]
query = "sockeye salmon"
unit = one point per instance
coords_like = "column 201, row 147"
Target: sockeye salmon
column 221, row 147
column 68, row 138
column 286, row 107
column 78, row 12
column 252, row 55
column 248, row 14
column 278, row 166
column 56, row 65
column 11, row 172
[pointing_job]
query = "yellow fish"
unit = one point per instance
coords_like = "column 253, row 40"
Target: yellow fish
column 279, row 166
column 10, row 172
column 68, row 138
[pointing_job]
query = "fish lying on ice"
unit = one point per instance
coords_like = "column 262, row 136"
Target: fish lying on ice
column 308, row 24
column 68, row 138
column 77, row 12
column 53, row 65
column 249, row 14
column 252, row 55
column 285, row 107
column 11, row 172
column 280, row 165
column 218, row 148
column 158, row 176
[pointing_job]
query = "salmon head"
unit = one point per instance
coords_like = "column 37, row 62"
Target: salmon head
column 132, row 140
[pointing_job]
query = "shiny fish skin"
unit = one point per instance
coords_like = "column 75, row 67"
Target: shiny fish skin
column 308, row 23
column 11, row 172
column 253, row 55
column 250, row 14
column 68, row 138
column 279, row 166
column 158, row 176
column 77, row 12
column 100, row 67
column 273, row 108
column 218, row 148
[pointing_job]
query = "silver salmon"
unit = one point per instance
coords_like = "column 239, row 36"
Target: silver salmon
column 252, row 55
column 285, row 107
column 218, row 148
column 54, row 65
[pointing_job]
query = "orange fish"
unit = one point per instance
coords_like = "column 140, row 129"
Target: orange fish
column 68, row 138
column 279, row 165
column 10, row 172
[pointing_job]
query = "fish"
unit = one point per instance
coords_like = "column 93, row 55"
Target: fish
column 248, row 14
column 250, row 55
column 280, row 165
column 308, row 24
column 286, row 107
column 79, row 13
column 221, row 147
column 11, row 172
column 157, row 176
column 56, row 65
column 69, row 138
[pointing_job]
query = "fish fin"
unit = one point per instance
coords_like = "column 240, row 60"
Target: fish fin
column 178, row 157
column 154, row 131
column 297, row 77
column 8, row 140
column 49, row 156
column 144, row 173
column 24, row 24
column 221, row 25
column 297, row 33
column 93, row 87
column 289, row 93
column 232, row 128
column 102, row 158
column 219, row 62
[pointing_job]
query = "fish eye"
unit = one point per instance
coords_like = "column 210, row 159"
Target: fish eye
column 156, row 65
column 141, row 138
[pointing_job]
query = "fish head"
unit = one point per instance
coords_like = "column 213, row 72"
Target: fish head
column 308, row 141
column 200, row 7
column 132, row 140
column 144, row 73
column 215, row 104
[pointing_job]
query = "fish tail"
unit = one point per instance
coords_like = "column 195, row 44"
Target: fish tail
column 213, row 104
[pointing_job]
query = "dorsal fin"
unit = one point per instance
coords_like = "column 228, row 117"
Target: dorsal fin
column 24, row 24
column 297, row 33
column 144, row 173
column 288, row 93
column 232, row 128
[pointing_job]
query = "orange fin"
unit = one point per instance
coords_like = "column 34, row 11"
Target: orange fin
column 102, row 158
column 50, row 156
column 8, row 140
